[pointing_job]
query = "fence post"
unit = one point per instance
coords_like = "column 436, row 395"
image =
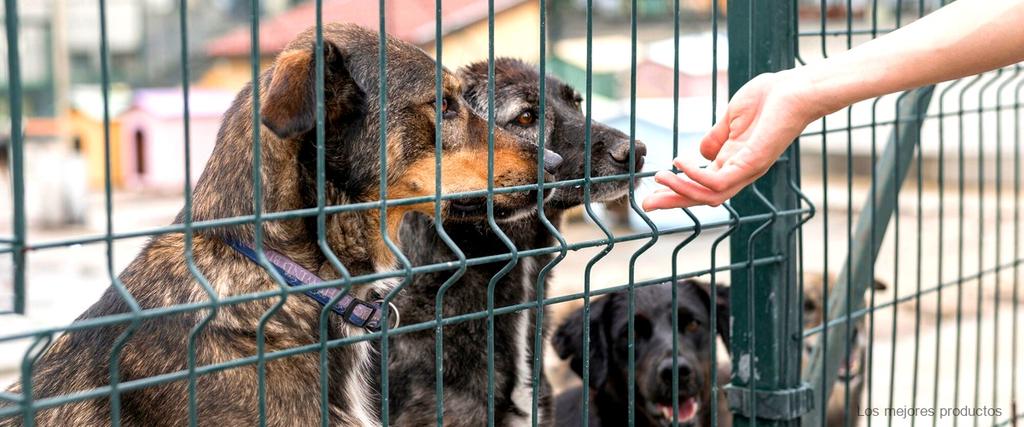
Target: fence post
column 16, row 152
column 766, row 387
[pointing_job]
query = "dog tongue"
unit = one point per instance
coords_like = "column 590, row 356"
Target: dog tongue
column 687, row 410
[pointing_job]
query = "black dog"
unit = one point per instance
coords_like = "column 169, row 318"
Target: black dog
column 653, row 356
column 412, row 384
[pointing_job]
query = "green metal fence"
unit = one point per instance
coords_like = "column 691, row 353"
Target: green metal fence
column 766, row 232
column 920, row 130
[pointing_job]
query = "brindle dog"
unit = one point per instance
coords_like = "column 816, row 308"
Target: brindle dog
column 159, row 277
column 412, row 384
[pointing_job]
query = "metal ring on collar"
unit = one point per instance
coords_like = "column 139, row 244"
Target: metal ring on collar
column 398, row 316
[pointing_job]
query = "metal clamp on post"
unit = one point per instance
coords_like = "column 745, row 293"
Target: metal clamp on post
column 785, row 404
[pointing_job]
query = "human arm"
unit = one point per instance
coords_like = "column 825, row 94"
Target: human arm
column 961, row 39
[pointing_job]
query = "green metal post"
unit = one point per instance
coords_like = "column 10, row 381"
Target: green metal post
column 16, row 155
column 765, row 386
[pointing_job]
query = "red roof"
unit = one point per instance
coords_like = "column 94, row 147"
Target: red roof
column 409, row 20
column 41, row 127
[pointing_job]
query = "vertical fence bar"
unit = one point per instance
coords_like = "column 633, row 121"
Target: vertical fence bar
column 979, row 300
column 211, row 294
column 542, row 275
column 823, row 11
column 321, row 217
column 960, row 110
column 795, row 330
column 1014, row 368
column 761, row 41
column 847, row 420
column 897, row 185
column 631, row 290
column 122, row 339
column 16, row 153
column 696, row 221
column 999, row 237
column 403, row 261
column 873, row 209
column 513, row 251
column 32, row 354
column 257, row 212
column 941, row 185
column 587, row 145
column 439, row 225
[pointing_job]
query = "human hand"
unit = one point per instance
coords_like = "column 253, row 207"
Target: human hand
column 761, row 120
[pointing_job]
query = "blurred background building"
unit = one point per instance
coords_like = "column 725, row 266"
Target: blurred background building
column 64, row 104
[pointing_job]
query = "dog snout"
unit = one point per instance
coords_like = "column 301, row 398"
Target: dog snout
column 665, row 370
column 551, row 161
column 620, row 153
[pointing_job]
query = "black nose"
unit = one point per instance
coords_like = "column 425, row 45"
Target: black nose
column 551, row 161
column 665, row 370
column 620, row 153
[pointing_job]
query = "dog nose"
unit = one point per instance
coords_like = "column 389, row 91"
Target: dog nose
column 665, row 369
column 621, row 153
column 551, row 161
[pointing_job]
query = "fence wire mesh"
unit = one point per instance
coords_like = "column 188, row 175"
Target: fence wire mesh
column 835, row 317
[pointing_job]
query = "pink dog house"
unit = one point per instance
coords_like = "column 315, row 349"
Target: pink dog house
column 153, row 141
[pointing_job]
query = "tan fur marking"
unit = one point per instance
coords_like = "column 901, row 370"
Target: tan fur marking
column 465, row 170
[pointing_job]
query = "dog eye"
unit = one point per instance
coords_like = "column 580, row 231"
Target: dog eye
column 446, row 112
column 642, row 326
column 526, row 118
column 693, row 326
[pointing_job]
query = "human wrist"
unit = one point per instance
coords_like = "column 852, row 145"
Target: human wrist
column 805, row 93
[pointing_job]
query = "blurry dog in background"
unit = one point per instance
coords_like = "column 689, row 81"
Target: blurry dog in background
column 851, row 369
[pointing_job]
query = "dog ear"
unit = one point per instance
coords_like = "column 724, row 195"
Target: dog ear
column 289, row 107
column 474, row 79
column 568, row 341
column 721, row 302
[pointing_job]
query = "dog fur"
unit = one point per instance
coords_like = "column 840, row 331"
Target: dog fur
column 159, row 276
column 653, row 356
column 412, row 383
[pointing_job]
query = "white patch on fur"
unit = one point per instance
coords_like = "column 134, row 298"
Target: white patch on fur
column 384, row 286
column 362, row 398
column 357, row 384
column 522, row 394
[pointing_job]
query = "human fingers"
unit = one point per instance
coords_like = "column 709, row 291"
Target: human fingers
column 712, row 143
column 689, row 189
column 719, row 179
column 666, row 200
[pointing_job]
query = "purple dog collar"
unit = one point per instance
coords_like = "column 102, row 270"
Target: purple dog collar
column 353, row 310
